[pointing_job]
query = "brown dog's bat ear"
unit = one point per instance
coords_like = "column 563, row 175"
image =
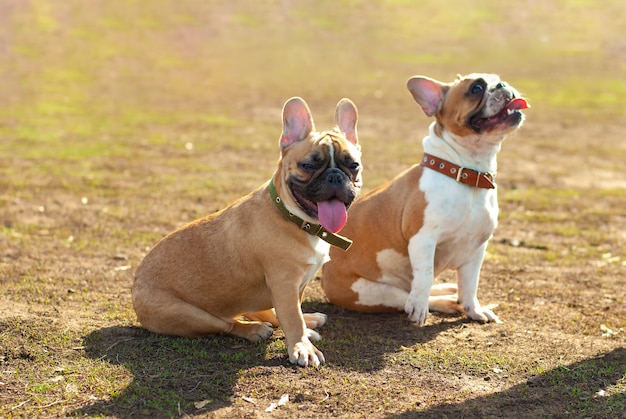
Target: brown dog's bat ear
column 346, row 117
column 297, row 122
column 427, row 92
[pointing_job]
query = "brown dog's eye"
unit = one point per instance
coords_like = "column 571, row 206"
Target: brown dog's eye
column 352, row 165
column 307, row 166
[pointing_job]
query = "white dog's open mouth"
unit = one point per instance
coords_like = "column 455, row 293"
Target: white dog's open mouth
column 510, row 115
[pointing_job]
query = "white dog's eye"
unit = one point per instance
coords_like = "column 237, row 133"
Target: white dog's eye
column 477, row 88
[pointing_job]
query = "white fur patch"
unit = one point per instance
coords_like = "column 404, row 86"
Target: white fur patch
column 318, row 259
column 395, row 268
column 375, row 293
column 392, row 288
column 322, row 249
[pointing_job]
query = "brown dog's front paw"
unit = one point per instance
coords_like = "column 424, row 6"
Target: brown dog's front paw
column 314, row 320
column 305, row 354
column 254, row 331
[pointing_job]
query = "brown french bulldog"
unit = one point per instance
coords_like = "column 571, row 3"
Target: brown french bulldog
column 242, row 270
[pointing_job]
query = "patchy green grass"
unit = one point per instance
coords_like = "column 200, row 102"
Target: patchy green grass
column 120, row 122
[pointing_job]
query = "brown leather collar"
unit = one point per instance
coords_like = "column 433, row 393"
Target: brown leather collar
column 464, row 175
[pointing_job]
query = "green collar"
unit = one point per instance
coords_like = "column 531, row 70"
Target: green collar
column 313, row 229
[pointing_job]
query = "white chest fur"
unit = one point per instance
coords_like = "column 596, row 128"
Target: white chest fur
column 319, row 258
column 457, row 217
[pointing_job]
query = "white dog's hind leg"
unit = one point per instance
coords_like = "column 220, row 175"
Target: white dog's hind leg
column 445, row 288
column 379, row 294
column 444, row 299
column 445, row 304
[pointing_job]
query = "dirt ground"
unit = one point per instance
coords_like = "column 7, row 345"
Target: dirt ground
column 555, row 268
column 93, row 173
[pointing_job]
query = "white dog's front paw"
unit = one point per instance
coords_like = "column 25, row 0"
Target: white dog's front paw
column 314, row 320
column 305, row 354
column 483, row 314
column 417, row 308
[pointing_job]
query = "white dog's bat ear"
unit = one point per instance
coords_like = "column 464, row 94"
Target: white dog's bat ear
column 297, row 122
column 346, row 116
column 427, row 92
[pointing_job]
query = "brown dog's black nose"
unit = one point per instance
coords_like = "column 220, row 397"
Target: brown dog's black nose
column 335, row 178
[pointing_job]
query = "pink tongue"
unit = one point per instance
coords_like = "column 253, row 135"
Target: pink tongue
column 332, row 214
column 518, row 103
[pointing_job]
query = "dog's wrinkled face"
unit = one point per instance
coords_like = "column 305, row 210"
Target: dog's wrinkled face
column 325, row 180
column 483, row 104
column 322, row 172
column 473, row 105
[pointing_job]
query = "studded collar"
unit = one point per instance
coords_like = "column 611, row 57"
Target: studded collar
column 463, row 175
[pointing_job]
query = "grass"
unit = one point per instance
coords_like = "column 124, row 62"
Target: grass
column 119, row 123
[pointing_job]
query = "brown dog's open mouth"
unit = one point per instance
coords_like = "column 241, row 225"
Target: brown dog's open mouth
column 510, row 115
column 331, row 213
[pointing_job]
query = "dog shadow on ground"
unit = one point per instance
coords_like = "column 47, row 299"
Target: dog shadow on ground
column 376, row 335
column 169, row 370
column 581, row 389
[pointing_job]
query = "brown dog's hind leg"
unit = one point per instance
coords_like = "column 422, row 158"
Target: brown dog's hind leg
column 266, row 316
column 314, row 320
column 161, row 312
column 253, row 331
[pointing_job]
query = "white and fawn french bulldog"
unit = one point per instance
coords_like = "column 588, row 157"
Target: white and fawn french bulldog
column 435, row 216
column 242, row 270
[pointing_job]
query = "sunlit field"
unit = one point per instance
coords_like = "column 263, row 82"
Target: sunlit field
column 120, row 121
